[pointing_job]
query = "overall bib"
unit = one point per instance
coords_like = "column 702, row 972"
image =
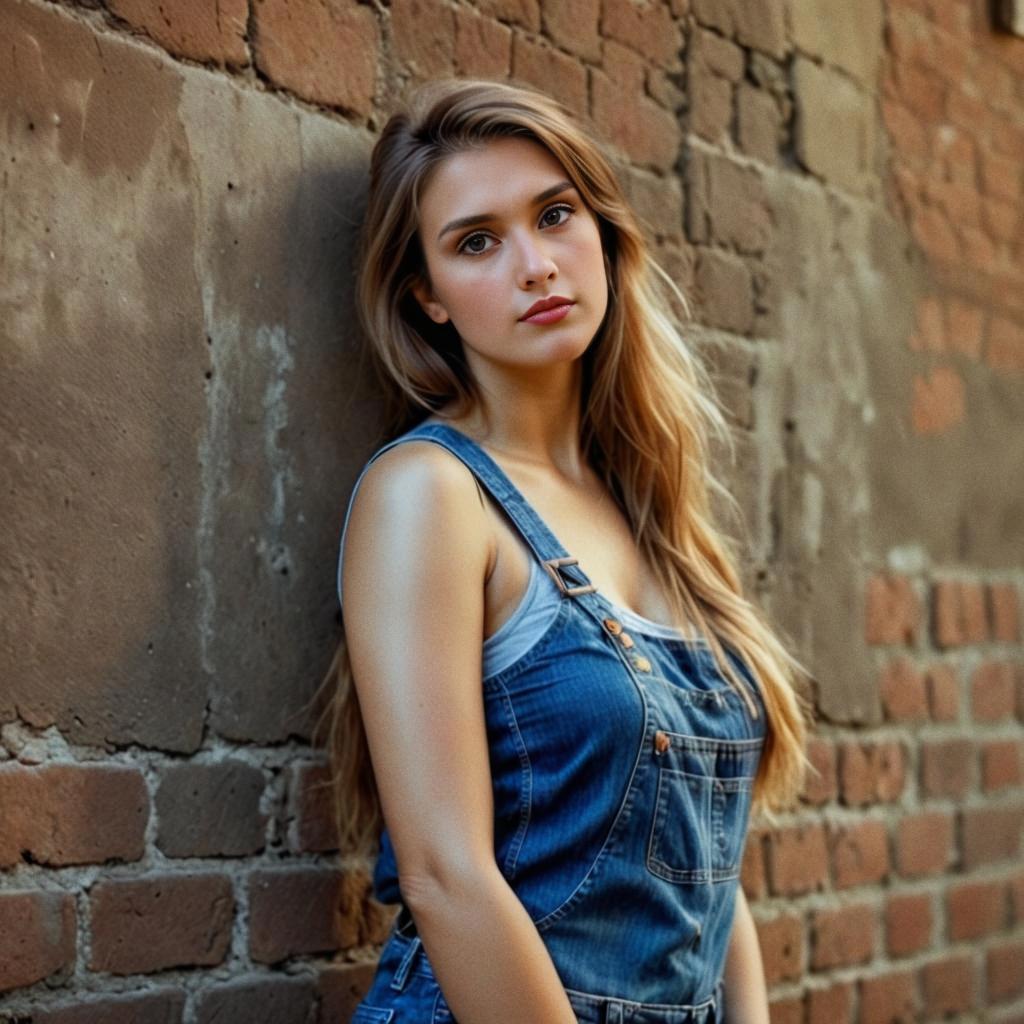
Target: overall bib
column 623, row 765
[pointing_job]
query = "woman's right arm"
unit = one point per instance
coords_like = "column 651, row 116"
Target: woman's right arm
column 416, row 554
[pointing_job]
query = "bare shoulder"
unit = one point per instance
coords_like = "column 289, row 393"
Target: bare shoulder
column 416, row 506
column 409, row 479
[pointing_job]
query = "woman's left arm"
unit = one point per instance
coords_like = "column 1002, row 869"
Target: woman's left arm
column 746, row 994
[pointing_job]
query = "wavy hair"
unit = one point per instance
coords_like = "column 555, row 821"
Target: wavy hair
column 648, row 415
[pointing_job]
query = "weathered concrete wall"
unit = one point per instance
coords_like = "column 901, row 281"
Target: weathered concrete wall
column 838, row 188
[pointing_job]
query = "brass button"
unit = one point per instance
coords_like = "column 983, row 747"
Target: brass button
column 661, row 742
column 613, row 626
column 642, row 664
column 625, row 639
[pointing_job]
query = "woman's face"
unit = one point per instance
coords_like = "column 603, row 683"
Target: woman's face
column 531, row 237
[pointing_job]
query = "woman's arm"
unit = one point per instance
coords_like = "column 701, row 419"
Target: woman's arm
column 746, row 995
column 416, row 556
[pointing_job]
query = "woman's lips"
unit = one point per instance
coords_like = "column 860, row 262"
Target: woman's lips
column 549, row 316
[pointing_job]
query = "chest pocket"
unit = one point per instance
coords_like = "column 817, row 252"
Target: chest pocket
column 702, row 806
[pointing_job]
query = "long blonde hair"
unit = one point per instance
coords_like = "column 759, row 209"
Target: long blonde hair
column 648, row 411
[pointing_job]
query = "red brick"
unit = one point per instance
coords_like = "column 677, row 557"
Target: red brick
column 959, row 200
column 148, row 924
column 948, row 985
column 821, row 784
column 642, row 130
column 924, row 844
column 752, row 872
column 649, row 29
column 1004, row 971
column 196, row 31
column 711, row 102
column 978, row 249
column 163, row 1006
column 908, row 923
column 893, row 611
column 966, row 325
column 210, row 810
column 330, row 55
column 938, row 403
column 258, row 1000
column 991, row 834
column 1016, row 891
column 293, row 911
column 761, row 26
column 943, row 687
column 1005, row 349
column 933, row 231
column 833, row 1005
column 340, row 986
column 723, row 291
column 483, row 48
column 1001, row 765
column 843, row 936
column 1004, row 608
column 519, row 12
column 889, row 999
column 1000, row 223
column 72, row 814
column 974, row 909
column 860, row 853
column 786, row 1010
column 422, row 36
column 946, row 768
column 871, row 773
column 993, row 691
column 958, row 613
column 312, row 807
column 574, row 24
column 557, row 73
column 758, row 123
column 902, row 688
column 37, row 937
column 782, row 947
column 797, row 860
column 1000, row 177
column 728, row 204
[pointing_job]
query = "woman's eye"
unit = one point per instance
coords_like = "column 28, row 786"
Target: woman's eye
column 468, row 243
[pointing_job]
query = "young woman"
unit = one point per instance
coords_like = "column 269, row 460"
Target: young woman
column 551, row 690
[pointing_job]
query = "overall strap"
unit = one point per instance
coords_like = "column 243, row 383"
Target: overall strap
column 555, row 559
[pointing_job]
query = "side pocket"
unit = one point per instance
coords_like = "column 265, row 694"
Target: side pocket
column 371, row 1015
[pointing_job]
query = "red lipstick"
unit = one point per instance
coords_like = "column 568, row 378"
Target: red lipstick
column 547, row 311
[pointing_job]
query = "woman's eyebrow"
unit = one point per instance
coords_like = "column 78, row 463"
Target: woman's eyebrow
column 480, row 218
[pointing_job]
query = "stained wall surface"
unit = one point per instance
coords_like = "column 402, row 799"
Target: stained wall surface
column 186, row 401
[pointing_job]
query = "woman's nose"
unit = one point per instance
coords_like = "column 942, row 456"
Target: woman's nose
column 535, row 262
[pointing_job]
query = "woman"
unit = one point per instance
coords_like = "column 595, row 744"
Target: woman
column 551, row 690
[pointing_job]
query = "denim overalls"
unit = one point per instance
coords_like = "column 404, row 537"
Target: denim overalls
column 622, row 768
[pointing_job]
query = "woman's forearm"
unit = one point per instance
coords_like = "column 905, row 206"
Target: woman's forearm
column 746, row 994
column 487, row 954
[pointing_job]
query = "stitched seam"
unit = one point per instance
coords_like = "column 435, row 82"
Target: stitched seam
column 525, row 793
column 628, row 797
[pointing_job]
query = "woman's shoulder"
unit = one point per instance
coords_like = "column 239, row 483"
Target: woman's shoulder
column 416, row 487
column 415, row 506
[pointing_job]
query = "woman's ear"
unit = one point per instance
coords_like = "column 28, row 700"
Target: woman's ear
column 425, row 297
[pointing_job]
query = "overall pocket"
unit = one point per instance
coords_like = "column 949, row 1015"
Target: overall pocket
column 701, row 806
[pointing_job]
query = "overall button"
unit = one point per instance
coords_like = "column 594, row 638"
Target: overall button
column 662, row 741
column 613, row 626
column 626, row 640
column 641, row 664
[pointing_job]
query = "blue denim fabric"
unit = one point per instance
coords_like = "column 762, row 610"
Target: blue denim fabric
column 623, row 766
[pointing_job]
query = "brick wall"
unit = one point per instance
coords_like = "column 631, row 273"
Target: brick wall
column 837, row 187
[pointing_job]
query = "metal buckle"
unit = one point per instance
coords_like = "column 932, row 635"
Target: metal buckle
column 551, row 564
